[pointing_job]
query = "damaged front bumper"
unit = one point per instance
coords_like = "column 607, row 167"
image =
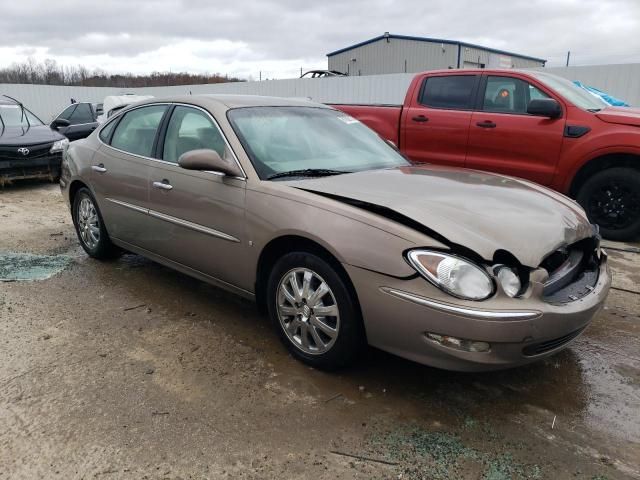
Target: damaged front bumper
column 415, row 320
column 46, row 166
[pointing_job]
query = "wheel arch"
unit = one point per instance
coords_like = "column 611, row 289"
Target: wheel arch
column 73, row 189
column 282, row 245
column 600, row 163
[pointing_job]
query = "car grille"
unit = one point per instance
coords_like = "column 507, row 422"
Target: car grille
column 35, row 151
column 544, row 347
column 573, row 271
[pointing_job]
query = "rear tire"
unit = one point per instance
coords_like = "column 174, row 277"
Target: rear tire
column 316, row 316
column 611, row 199
column 90, row 228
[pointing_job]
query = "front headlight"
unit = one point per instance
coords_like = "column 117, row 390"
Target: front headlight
column 59, row 146
column 455, row 275
column 509, row 280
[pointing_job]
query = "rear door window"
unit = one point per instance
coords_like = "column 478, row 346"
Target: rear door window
column 453, row 92
column 136, row 131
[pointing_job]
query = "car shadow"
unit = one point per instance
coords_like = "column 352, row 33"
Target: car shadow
column 556, row 384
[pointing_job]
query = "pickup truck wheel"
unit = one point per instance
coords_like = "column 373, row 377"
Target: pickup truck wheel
column 314, row 312
column 90, row 228
column 611, row 199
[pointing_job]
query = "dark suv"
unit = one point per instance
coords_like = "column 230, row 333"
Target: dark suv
column 77, row 120
column 28, row 147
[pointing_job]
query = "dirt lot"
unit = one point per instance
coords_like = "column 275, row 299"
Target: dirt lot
column 126, row 369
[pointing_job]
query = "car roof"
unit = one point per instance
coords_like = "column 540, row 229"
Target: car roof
column 221, row 102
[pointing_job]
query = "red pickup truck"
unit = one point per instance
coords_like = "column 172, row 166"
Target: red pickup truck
column 528, row 124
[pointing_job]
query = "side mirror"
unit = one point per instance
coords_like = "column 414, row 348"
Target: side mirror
column 209, row 160
column 544, row 107
column 60, row 122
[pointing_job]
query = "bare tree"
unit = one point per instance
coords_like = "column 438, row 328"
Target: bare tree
column 50, row 72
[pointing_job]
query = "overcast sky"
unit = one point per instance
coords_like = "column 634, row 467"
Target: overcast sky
column 278, row 37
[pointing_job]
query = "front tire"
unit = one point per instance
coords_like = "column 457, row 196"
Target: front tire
column 90, row 228
column 611, row 199
column 314, row 312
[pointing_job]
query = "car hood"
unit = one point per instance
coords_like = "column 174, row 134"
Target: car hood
column 481, row 211
column 28, row 136
column 620, row 115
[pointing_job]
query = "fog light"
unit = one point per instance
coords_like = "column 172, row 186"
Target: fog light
column 458, row 343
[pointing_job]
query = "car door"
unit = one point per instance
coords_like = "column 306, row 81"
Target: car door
column 436, row 123
column 504, row 138
column 83, row 122
column 120, row 173
column 197, row 217
column 64, row 115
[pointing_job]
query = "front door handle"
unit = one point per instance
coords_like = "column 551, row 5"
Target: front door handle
column 99, row 168
column 420, row 118
column 486, row 124
column 163, row 185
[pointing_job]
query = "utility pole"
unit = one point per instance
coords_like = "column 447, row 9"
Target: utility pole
column 260, row 75
column 568, row 56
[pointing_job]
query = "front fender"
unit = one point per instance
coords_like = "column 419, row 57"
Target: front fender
column 350, row 241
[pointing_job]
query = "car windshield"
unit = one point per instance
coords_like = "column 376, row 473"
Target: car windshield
column 14, row 116
column 576, row 95
column 308, row 139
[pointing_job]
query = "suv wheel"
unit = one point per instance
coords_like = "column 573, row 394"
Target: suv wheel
column 611, row 199
column 314, row 312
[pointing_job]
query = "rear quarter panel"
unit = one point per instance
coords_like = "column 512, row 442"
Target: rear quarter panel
column 76, row 164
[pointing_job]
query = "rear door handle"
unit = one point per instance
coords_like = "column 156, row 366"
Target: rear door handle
column 420, row 118
column 163, row 185
column 486, row 124
column 99, row 168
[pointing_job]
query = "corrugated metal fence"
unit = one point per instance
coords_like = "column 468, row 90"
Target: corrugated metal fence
column 46, row 101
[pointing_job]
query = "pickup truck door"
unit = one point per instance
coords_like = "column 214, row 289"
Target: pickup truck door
column 435, row 124
column 503, row 138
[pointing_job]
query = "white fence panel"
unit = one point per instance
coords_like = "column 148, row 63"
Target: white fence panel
column 46, row 101
column 622, row 81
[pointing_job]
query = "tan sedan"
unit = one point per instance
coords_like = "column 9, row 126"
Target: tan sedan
column 336, row 235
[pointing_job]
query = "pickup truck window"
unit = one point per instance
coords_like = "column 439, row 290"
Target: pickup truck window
column 576, row 95
column 454, row 92
column 509, row 95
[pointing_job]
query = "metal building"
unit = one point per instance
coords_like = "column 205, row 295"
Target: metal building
column 390, row 53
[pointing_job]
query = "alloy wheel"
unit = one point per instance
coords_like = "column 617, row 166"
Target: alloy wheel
column 88, row 223
column 614, row 206
column 308, row 311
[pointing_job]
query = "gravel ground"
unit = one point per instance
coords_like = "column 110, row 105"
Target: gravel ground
column 126, row 369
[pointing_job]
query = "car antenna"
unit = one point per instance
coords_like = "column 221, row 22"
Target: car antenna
column 24, row 115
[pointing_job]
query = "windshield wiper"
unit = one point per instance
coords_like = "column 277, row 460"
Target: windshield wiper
column 307, row 172
column 23, row 115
